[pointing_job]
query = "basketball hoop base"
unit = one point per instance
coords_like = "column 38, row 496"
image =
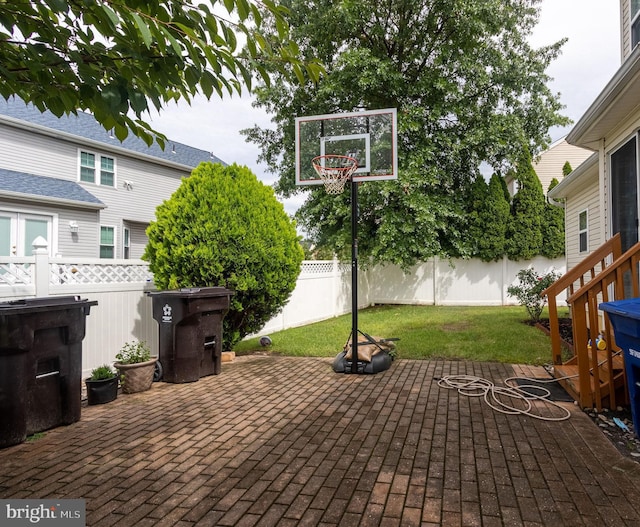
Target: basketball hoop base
column 379, row 362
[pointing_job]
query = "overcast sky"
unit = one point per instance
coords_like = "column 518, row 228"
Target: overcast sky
column 588, row 61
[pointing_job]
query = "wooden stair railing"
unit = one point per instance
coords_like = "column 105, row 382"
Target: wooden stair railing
column 574, row 279
column 598, row 379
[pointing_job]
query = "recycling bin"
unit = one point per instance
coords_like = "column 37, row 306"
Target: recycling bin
column 625, row 319
column 40, row 364
column 190, row 331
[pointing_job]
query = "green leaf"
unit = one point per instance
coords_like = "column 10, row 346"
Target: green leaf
column 111, row 15
column 121, row 131
column 138, row 102
column 144, row 29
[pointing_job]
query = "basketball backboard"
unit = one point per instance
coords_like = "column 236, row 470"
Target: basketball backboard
column 368, row 136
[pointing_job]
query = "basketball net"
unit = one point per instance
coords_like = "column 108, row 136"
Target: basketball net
column 334, row 171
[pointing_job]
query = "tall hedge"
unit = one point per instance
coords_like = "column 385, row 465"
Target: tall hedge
column 476, row 199
column 223, row 227
column 553, row 228
column 488, row 216
column 524, row 230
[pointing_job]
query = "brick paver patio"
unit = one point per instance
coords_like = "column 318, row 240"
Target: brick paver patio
column 285, row 441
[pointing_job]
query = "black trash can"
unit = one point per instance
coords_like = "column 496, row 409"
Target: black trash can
column 40, row 364
column 625, row 319
column 190, row 325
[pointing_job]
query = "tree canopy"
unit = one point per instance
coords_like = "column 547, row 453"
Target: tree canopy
column 115, row 58
column 468, row 87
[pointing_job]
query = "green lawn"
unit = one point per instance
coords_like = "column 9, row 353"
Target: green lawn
column 426, row 332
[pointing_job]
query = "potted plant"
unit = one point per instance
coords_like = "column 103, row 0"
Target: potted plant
column 136, row 366
column 102, row 386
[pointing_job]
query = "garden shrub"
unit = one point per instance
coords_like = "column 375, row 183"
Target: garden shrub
column 225, row 228
column 529, row 288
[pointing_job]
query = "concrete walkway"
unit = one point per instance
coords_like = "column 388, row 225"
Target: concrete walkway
column 285, row 441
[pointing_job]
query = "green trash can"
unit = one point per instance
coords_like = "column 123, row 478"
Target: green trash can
column 40, row 364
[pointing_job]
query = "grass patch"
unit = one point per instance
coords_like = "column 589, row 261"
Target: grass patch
column 426, row 332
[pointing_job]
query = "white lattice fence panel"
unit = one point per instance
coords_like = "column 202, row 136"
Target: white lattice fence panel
column 99, row 273
column 16, row 273
column 314, row 267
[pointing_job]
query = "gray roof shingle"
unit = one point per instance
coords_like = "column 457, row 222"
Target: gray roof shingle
column 84, row 125
column 57, row 189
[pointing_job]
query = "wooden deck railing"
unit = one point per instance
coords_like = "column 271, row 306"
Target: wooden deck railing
column 574, row 279
column 598, row 379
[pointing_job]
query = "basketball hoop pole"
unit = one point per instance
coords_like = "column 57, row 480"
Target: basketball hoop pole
column 354, row 275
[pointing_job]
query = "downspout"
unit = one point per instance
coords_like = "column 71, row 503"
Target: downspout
column 555, row 203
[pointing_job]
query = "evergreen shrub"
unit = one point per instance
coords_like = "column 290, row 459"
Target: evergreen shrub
column 224, row 228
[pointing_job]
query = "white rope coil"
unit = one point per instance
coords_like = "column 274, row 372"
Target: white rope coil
column 503, row 398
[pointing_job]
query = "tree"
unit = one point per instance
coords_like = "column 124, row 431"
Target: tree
column 552, row 228
column 118, row 57
column 488, row 217
column 566, row 169
column 524, row 229
column 468, row 88
column 478, row 196
column 223, row 227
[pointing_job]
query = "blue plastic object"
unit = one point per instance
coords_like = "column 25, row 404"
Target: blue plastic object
column 625, row 319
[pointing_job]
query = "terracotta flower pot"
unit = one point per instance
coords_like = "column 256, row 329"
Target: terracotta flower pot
column 137, row 377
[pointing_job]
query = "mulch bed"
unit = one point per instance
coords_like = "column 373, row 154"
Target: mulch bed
column 566, row 329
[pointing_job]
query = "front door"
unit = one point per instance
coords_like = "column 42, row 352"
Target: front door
column 19, row 230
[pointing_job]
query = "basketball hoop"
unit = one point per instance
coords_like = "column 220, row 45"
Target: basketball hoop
column 334, row 171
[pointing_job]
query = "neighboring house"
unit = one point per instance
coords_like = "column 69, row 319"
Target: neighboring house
column 549, row 164
column 601, row 197
column 73, row 183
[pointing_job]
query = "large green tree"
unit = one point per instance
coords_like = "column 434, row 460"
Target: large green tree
column 468, row 88
column 116, row 58
column 223, row 227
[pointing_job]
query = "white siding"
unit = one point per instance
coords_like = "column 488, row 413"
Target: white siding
column 625, row 29
column 150, row 184
column 586, row 198
column 82, row 243
column 138, row 238
column 31, row 153
column 550, row 162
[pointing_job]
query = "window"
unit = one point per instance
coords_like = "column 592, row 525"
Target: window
column 107, row 242
column 89, row 167
column 126, row 243
column 583, row 231
column 107, row 171
column 634, row 15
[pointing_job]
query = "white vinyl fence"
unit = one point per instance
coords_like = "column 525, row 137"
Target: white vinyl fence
column 323, row 290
